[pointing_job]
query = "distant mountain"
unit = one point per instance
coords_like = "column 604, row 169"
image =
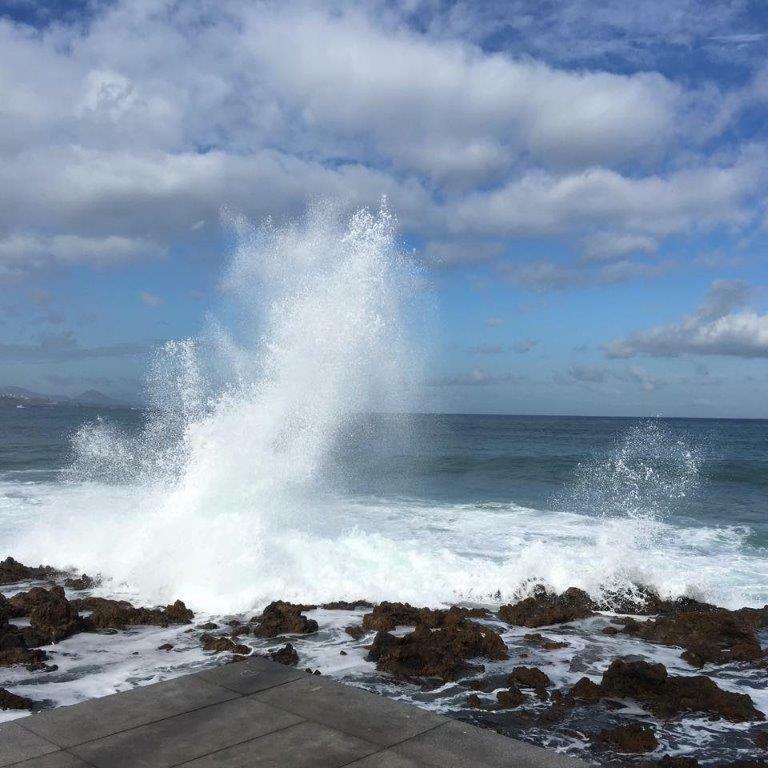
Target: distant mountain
column 15, row 396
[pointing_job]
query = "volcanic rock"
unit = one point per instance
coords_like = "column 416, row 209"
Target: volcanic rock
column 355, row 631
column 679, row 761
column 585, row 690
column 667, row 695
column 474, row 701
column 544, row 608
column 441, row 652
column 12, row 571
column 10, row 700
column 719, row 636
column 165, row 647
column 5, row 610
column 281, row 618
column 344, row 605
column 545, row 643
column 633, row 737
column 513, row 697
column 286, row 655
column 119, row 614
column 223, row 645
column 530, row 677
column 80, row 583
column 387, row 616
column 28, row 657
column 51, row 616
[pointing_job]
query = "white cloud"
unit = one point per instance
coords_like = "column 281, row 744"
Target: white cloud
column 150, row 299
column 604, row 246
column 719, row 327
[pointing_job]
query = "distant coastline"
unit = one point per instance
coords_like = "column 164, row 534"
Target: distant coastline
column 17, row 396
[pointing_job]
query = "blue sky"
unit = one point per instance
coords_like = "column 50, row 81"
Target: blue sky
column 583, row 185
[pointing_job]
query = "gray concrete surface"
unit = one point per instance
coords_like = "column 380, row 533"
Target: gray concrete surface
column 256, row 714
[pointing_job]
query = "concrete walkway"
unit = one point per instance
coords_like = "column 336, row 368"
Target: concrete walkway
column 256, row 713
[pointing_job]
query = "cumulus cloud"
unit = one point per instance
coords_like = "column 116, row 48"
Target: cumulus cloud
column 721, row 326
column 604, row 246
column 133, row 126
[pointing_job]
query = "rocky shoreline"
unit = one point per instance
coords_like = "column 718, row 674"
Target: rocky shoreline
column 465, row 653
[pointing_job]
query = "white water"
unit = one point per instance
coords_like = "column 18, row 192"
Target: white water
column 226, row 499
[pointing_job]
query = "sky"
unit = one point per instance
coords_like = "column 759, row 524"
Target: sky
column 583, row 184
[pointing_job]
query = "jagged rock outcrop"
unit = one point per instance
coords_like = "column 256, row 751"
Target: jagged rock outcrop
column 281, row 618
column 544, row 608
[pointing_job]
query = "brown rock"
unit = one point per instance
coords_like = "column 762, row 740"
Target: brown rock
column 668, row 695
column 223, row 645
column 529, row 677
column 51, row 616
column 120, row 614
column 28, row 657
column 10, row 700
column 761, row 739
column 441, row 652
column 611, row 631
column 355, row 631
column 165, row 647
column 544, row 608
column 286, row 655
column 12, row 571
column 545, row 643
column 80, row 583
column 474, row 701
column 281, row 618
column 208, row 626
column 585, row 690
column 633, row 737
column 719, row 636
column 345, row 605
column 511, row 698
column 387, row 616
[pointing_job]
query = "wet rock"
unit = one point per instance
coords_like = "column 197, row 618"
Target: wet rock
column 223, row 645
column 387, row 616
column 545, row 643
column 678, row 761
column 441, row 652
column 10, row 700
column 668, row 695
column 12, row 571
column 120, row 614
column 281, row 618
column 51, row 616
column 344, row 605
column 761, row 740
column 27, row 657
column 511, row 698
column 632, row 737
column 585, row 690
column 165, row 647
column 718, row 636
column 474, row 701
column 544, row 608
column 342, row 653
column 286, row 655
column 611, row 631
column 355, row 631
column 530, row 677
column 5, row 610
column 208, row 626
column 80, row 583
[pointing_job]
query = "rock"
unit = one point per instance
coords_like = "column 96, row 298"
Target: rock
column 10, row 700
column 281, row 618
column 611, row 631
column 28, row 657
column 165, row 647
column 387, row 616
column 5, row 610
column 208, row 626
column 585, row 690
column 679, row 761
column 545, row 643
column 343, row 605
column 51, row 616
column 355, row 631
column 530, row 677
column 513, row 697
column 223, row 645
column 286, row 655
column 761, row 739
column 120, row 614
column 441, row 652
column 80, row 583
column 12, row 571
column 474, row 701
column 342, row 653
column 668, row 695
column 544, row 608
column 718, row 636
column 633, row 737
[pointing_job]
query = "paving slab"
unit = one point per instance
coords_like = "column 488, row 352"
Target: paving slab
column 97, row 718
column 54, row 760
column 351, row 710
column 251, row 676
column 307, row 745
column 17, row 743
column 184, row 737
column 387, row 759
column 460, row 745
